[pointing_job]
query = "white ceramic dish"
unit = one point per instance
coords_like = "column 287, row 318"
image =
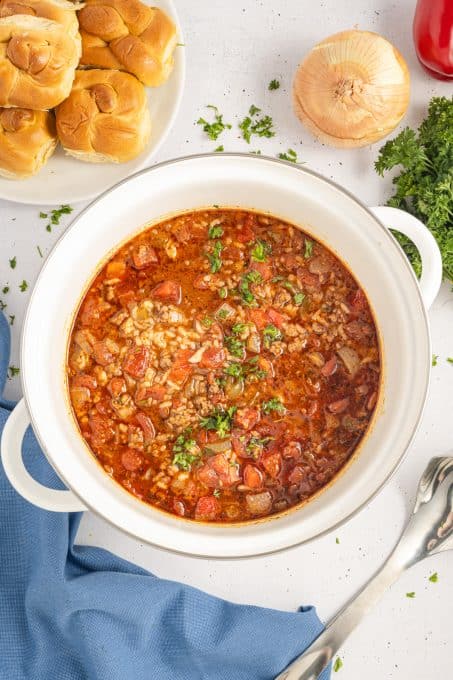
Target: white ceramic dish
column 322, row 208
column 66, row 180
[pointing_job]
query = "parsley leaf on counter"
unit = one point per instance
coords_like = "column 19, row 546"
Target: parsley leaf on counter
column 434, row 577
column 290, row 156
column 337, row 665
column 411, row 595
column 3, row 305
column 11, row 319
column 213, row 130
column 23, row 286
column 219, row 149
column 13, row 371
column 434, row 359
column 56, row 215
column 424, row 186
column 5, row 290
column 262, row 127
column 274, row 84
column 450, row 360
column 13, row 262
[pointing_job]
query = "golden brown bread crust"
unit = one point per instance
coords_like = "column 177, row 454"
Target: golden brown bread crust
column 61, row 11
column 130, row 36
column 27, row 139
column 38, row 59
column 105, row 118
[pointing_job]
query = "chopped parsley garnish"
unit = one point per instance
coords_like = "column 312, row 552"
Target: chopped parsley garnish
column 185, row 450
column 298, row 296
column 56, row 215
column 223, row 314
column 290, row 156
column 234, row 346
column 411, row 595
column 216, row 231
column 220, row 420
column 273, row 404
column 223, row 293
column 249, row 369
column 271, row 334
column 262, row 127
column 11, row 319
column 337, row 665
column 239, row 328
column 219, row 149
column 216, row 493
column 213, row 130
column 5, row 290
column 23, row 286
column 257, row 152
column 3, row 305
column 337, row 541
column 257, row 443
column 13, row 371
column 260, row 251
column 214, row 258
column 434, row 359
column 207, row 321
column 13, row 262
column 244, row 287
column 434, row 577
column 274, row 84
column 39, row 251
column 308, row 249
column 450, row 360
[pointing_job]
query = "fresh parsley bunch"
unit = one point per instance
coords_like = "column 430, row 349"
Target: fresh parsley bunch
column 424, row 187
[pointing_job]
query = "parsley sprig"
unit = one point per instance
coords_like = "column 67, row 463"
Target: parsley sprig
column 55, row 215
column 260, row 251
column 185, row 450
column 213, row 130
column 251, row 125
column 273, row 405
column 214, row 257
column 244, row 291
column 220, row 420
column 424, row 186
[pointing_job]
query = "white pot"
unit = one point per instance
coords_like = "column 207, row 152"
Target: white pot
column 320, row 207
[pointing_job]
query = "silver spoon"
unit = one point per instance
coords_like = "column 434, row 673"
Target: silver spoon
column 428, row 531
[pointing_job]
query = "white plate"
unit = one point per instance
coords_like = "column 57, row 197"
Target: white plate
column 66, row 180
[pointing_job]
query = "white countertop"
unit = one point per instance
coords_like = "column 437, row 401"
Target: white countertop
column 234, row 48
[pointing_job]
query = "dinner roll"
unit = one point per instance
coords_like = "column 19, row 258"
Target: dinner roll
column 105, row 118
column 61, row 11
column 130, row 36
column 27, row 139
column 38, row 59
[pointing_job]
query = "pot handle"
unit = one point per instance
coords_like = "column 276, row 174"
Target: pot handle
column 17, row 473
column 431, row 278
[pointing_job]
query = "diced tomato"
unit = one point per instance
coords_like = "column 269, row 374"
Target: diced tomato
column 339, row 406
column 179, row 507
column 253, row 477
column 131, row 460
column 258, row 317
column 116, row 386
column 144, row 255
column 147, row 426
column 207, row 508
column 102, row 355
column 116, row 269
column 272, row 464
column 246, row 417
column 167, row 291
column 125, row 294
column 208, row 476
column 136, row 361
column 265, row 269
column 307, row 279
column 156, row 392
column 84, row 380
column 275, row 317
column 329, row 367
column 101, row 429
column 213, row 357
column 181, row 368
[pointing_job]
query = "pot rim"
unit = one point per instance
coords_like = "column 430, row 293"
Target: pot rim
column 405, row 264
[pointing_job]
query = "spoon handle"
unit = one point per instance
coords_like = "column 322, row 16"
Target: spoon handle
column 428, row 531
column 312, row 662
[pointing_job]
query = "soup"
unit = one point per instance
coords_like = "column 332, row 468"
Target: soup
column 223, row 366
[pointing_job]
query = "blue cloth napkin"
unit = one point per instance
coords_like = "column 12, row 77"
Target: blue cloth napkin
column 70, row 612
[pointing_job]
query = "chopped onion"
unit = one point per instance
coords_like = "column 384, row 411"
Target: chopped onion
column 233, row 387
column 350, row 358
column 224, row 311
column 196, row 357
column 254, row 343
column 352, row 89
column 219, row 447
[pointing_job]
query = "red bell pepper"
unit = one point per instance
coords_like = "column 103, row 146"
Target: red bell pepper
column 433, row 37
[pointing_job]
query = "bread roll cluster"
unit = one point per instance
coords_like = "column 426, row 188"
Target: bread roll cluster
column 76, row 73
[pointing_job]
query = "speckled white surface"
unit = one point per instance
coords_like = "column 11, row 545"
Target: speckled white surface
column 234, row 48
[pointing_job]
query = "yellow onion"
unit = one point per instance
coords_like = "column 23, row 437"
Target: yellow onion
column 351, row 89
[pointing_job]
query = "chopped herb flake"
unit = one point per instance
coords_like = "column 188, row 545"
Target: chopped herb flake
column 234, row 346
column 274, row 84
column 13, row 371
column 219, row 149
column 13, row 262
column 23, row 286
column 249, row 369
column 434, row 577
column 214, row 257
column 216, row 493
column 186, row 450
column 3, row 305
column 257, row 443
column 337, row 541
column 271, row 334
column 56, row 215
column 11, row 319
column 207, row 321
column 213, row 130
column 244, row 287
column 239, row 328
column 337, row 665
column 216, row 231
column 450, row 360
column 308, row 249
column 434, row 359
column 290, row 156
column 411, row 595
column 5, row 290
column 260, row 251
column 274, row 404
column 43, row 215
column 262, row 127
column 219, row 420
column 39, row 251
column 223, row 292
